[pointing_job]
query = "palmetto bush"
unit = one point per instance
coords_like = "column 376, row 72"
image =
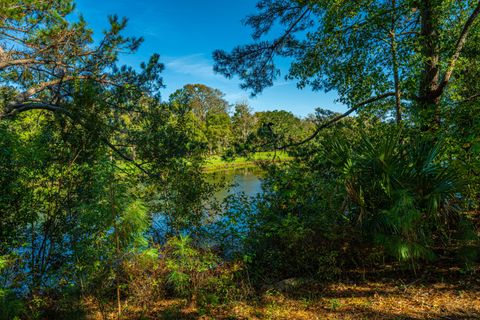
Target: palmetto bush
column 402, row 193
column 360, row 195
column 355, row 196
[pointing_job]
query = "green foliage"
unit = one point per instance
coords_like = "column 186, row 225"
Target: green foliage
column 189, row 268
column 209, row 111
column 469, row 252
column 11, row 307
column 75, row 203
column 398, row 55
column 356, row 190
column 200, row 99
column 278, row 128
column 146, row 280
column 98, row 159
column 199, row 274
column 402, row 193
column 335, row 304
column 218, row 131
column 244, row 123
column 294, row 229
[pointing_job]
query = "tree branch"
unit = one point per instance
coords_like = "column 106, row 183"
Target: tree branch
column 54, row 108
column 17, row 62
column 125, row 157
column 458, row 49
column 19, row 108
column 337, row 118
column 24, row 96
column 471, row 98
column 281, row 40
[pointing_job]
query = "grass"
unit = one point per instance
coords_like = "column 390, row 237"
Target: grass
column 216, row 163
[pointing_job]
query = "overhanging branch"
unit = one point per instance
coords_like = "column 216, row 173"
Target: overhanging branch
column 54, row 108
column 19, row 108
column 19, row 62
column 337, row 118
column 22, row 97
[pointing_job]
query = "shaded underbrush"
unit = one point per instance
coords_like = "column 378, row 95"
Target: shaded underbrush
column 440, row 292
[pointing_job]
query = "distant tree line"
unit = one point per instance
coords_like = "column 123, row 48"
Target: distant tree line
column 224, row 128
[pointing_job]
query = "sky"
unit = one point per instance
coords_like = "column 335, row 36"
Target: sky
column 185, row 33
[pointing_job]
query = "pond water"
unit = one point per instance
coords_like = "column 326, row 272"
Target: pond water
column 234, row 181
column 246, row 180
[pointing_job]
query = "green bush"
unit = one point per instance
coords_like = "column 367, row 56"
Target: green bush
column 402, row 193
column 10, row 306
column 295, row 232
column 145, row 279
column 357, row 196
column 198, row 274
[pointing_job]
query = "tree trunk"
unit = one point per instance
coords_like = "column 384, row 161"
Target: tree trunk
column 393, row 48
column 429, row 99
column 117, row 247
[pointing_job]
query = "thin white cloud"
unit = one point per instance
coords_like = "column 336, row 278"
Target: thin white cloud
column 282, row 84
column 195, row 65
column 234, row 97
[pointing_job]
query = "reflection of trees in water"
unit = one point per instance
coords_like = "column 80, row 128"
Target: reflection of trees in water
column 246, row 180
column 233, row 181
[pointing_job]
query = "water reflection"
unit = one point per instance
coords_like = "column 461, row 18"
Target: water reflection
column 233, row 181
column 247, row 180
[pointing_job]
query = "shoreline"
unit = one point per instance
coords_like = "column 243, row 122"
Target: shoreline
column 215, row 163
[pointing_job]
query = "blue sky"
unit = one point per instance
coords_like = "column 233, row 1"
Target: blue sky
column 185, row 33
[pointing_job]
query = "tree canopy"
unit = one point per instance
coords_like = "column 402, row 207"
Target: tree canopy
column 405, row 51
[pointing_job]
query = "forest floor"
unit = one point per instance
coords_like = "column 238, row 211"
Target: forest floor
column 216, row 163
column 444, row 294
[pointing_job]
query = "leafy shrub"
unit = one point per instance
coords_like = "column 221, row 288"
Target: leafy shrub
column 11, row 307
column 295, row 232
column 357, row 196
column 198, row 274
column 402, row 193
column 145, row 279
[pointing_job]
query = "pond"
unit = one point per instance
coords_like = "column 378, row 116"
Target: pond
column 235, row 181
column 246, row 180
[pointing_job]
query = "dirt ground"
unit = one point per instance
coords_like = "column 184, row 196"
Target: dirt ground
column 443, row 294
